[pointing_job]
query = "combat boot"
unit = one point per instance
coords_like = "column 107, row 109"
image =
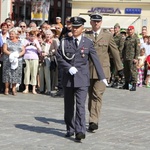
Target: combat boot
column 133, row 87
column 125, row 86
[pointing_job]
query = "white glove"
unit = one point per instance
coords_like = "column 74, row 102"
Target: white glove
column 73, row 70
column 105, row 82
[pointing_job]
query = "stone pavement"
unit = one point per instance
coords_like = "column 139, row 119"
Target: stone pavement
column 35, row 122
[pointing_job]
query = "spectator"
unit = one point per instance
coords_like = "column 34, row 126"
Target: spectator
column 48, row 48
column 4, row 31
column 140, row 67
column 12, row 62
column 58, row 22
column 23, row 27
column 32, row 25
column 32, row 49
column 147, row 81
column 66, row 31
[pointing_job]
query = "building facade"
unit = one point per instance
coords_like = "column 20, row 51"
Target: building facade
column 124, row 12
column 20, row 10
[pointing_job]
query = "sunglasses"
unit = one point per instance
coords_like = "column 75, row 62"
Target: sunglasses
column 22, row 26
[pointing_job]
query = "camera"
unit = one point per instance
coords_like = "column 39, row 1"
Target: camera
column 31, row 43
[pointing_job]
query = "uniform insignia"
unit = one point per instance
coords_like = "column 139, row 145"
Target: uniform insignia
column 83, row 55
column 67, row 54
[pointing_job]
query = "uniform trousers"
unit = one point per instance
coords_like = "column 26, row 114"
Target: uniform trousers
column 130, row 71
column 44, row 74
column 75, row 116
column 96, row 91
column 31, row 69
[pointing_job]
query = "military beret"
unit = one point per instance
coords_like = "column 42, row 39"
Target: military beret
column 96, row 16
column 116, row 25
column 77, row 21
column 130, row 27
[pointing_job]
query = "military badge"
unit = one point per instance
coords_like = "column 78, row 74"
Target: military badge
column 83, row 55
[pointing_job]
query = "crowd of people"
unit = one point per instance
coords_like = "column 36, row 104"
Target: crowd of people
column 75, row 61
column 27, row 56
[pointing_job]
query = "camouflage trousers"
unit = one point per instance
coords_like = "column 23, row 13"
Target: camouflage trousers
column 130, row 71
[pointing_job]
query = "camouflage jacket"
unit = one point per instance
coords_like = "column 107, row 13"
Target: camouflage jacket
column 131, row 48
column 119, row 40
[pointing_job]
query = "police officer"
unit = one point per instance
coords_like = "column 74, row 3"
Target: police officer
column 73, row 56
column 130, row 55
column 103, row 43
column 119, row 40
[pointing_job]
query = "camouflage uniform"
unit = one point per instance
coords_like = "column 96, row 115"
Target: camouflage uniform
column 131, row 51
column 120, row 44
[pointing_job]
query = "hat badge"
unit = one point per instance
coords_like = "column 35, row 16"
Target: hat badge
column 75, row 19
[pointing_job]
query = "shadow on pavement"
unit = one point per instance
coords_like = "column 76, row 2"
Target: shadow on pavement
column 47, row 120
column 37, row 129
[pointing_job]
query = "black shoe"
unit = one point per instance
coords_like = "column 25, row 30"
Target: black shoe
column 133, row 87
column 92, row 126
column 125, row 86
column 58, row 94
column 48, row 93
column 79, row 136
column 69, row 134
column 114, row 85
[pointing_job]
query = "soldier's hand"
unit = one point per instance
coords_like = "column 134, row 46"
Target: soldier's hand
column 73, row 70
column 120, row 73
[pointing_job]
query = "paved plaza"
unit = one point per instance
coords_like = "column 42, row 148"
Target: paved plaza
column 35, row 122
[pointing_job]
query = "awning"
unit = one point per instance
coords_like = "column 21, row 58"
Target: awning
column 110, row 21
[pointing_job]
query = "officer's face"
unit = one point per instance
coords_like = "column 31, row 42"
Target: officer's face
column 77, row 31
column 96, row 24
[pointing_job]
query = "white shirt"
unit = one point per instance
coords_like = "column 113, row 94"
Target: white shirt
column 79, row 39
column 98, row 31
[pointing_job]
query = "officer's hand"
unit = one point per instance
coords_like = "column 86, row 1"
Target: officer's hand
column 73, row 70
column 105, row 82
column 120, row 73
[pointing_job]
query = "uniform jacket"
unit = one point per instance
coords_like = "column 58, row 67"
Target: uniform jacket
column 131, row 48
column 119, row 40
column 83, row 53
column 103, row 45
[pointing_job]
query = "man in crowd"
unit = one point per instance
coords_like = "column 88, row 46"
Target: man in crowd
column 103, row 43
column 130, row 55
column 119, row 40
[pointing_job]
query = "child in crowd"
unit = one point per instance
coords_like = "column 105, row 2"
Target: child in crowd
column 140, row 67
column 147, row 81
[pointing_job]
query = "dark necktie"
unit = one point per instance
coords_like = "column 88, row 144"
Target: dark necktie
column 96, row 35
column 76, row 43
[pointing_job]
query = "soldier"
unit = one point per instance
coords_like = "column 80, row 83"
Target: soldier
column 130, row 55
column 119, row 40
column 103, row 43
column 73, row 56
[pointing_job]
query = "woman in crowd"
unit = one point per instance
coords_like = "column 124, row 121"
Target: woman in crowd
column 13, row 51
column 48, row 49
column 4, row 32
column 31, row 57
